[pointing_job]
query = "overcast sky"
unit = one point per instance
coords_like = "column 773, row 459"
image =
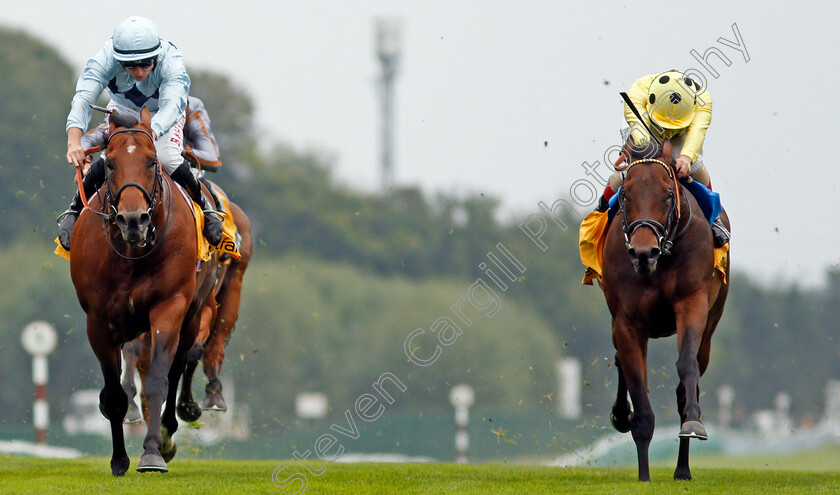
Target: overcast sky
column 484, row 85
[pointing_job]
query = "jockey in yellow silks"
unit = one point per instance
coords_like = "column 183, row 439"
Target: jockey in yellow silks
column 674, row 107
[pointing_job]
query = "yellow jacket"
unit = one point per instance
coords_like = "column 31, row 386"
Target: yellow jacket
column 695, row 132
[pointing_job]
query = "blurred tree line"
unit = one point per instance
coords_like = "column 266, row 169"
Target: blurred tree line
column 341, row 277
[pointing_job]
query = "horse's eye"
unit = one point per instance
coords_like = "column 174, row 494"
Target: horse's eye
column 109, row 164
column 153, row 162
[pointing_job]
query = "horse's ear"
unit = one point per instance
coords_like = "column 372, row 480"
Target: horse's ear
column 145, row 116
column 666, row 151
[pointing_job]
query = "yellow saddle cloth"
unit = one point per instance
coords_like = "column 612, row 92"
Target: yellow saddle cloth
column 204, row 251
column 593, row 232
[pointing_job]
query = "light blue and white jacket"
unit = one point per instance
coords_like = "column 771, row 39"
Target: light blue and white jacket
column 163, row 92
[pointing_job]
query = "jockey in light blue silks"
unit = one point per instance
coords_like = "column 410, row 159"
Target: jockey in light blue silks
column 139, row 69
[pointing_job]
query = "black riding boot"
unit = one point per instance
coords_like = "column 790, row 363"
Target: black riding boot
column 92, row 181
column 212, row 223
column 603, row 204
column 720, row 233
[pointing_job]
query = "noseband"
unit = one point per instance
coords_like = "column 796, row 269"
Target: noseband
column 664, row 233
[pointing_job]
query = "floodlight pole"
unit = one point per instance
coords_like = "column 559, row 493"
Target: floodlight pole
column 388, row 51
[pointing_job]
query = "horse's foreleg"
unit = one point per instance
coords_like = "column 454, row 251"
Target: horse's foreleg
column 632, row 352
column 683, row 471
column 621, row 414
column 214, row 350
column 112, row 400
column 165, row 323
column 131, row 352
column 691, row 321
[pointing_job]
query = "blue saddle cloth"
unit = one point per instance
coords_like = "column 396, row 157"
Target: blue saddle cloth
column 709, row 201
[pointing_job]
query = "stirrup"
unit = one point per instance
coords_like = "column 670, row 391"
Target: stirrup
column 212, row 227
column 720, row 234
column 69, row 211
column 65, row 227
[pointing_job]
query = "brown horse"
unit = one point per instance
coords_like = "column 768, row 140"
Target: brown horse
column 218, row 318
column 659, row 279
column 136, row 272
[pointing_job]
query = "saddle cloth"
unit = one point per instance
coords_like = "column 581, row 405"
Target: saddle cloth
column 593, row 232
column 230, row 238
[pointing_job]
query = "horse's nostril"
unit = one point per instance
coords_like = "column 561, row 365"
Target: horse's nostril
column 145, row 219
column 654, row 253
column 120, row 219
column 632, row 253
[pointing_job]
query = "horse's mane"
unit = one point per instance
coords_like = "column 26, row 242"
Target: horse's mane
column 650, row 149
column 123, row 119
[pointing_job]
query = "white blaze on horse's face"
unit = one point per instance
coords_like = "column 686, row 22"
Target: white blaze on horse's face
column 131, row 149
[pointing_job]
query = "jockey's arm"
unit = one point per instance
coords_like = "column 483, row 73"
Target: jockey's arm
column 696, row 133
column 201, row 142
column 638, row 94
column 75, row 152
column 174, row 88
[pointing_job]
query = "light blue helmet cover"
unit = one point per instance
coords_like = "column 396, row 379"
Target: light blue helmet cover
column 135, row 38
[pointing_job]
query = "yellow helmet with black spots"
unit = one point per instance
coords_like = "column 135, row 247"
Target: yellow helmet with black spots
column 672, row 99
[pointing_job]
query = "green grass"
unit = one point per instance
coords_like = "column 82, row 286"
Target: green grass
column 92, row 476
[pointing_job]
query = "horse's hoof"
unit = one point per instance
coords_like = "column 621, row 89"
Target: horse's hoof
column 188, row 411
column 169, row 453
column 682, row 475
column 152, row 463
column 119, row 466
column 619, row 425
column 214, row 402
column 132, row 416
column 693, row 429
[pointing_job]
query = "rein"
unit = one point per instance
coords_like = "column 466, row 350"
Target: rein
column 665, row 234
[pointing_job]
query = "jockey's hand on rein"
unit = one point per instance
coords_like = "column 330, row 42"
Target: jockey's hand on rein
column 682, row 166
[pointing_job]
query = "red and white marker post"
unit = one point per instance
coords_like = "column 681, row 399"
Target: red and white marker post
column 39, row 339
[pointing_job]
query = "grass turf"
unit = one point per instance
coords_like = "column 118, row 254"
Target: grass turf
column 92, row 476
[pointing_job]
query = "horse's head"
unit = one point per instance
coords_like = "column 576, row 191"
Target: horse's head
column 648, row 201
column 132, row 172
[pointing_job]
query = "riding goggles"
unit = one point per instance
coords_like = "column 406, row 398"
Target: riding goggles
column 142, row 64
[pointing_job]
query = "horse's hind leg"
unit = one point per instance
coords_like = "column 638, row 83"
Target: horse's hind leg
column 131, row 351
column 112, row 400
column 214, row 350
column 169, row 424
column 621, row 414
column 188, row 408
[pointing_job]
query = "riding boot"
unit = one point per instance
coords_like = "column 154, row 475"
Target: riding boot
column 92, row 181
column 220, row 206
column 212, row 222
column 603, row 204
column 720, row 233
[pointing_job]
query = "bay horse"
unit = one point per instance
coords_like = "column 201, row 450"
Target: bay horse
column 135, row 271
column 659, row 279
column 218, row 318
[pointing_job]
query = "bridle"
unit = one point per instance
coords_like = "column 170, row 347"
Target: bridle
column 113, row 200
column 665, row 234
